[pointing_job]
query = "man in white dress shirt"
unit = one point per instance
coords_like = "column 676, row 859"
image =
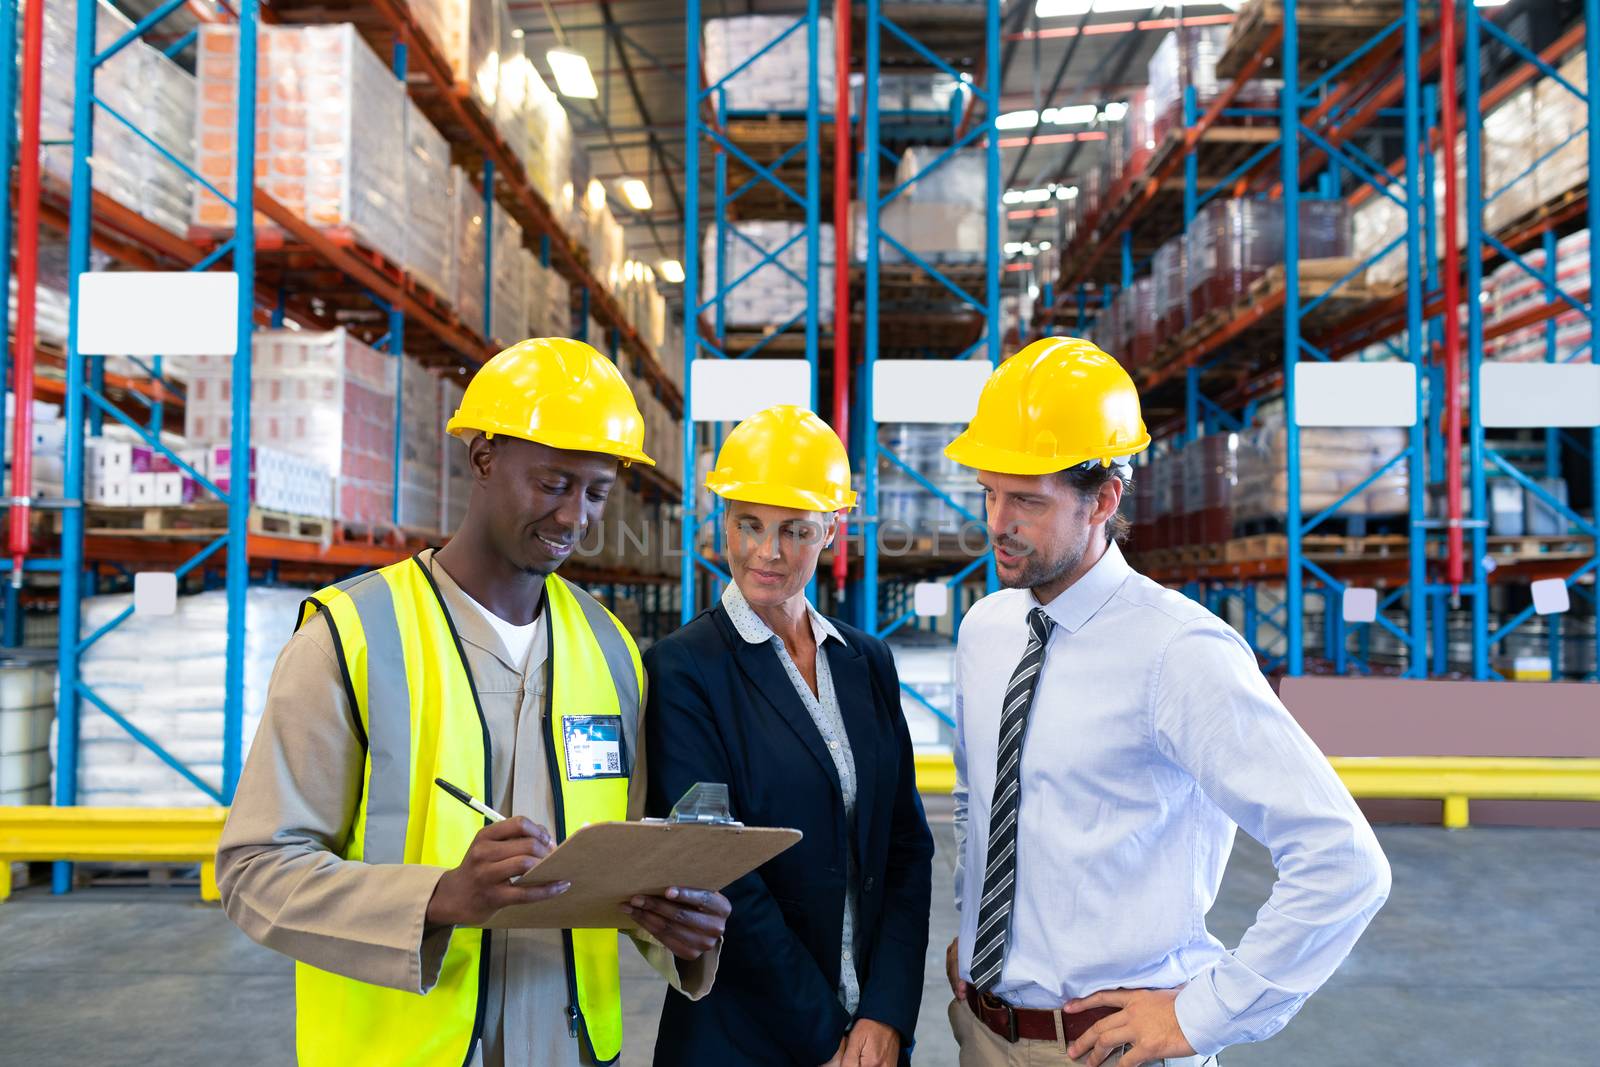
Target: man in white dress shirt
column 1111, row 735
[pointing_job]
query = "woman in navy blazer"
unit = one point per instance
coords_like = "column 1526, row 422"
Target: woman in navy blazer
column 800, row 716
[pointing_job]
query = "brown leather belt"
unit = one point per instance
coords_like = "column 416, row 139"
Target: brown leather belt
column 1032, row 1024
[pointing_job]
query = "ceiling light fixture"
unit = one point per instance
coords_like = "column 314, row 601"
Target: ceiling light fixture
column 637, row 194
column 572, row 74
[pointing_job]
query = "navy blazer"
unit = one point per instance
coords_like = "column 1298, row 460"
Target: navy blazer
column 722, row 709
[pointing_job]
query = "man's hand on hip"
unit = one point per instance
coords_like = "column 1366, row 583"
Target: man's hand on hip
column 1146, row 1022
column 472, row 892
column 952, row 969
column 689, row 922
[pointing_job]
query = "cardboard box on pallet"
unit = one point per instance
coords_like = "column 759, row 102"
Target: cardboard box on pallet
column 511, row 87
column 467, row 237
column 331, row 138
column 467, row 32
column 455, row 474
column 325, row 397
column 1332, row 463
column 767, row 294
column 143, row 86
column 421, row 459
column 777, row 80
column 548, row 139
column 1171, row 305
column 430, row 217
column 508, row 313
column 278, row 480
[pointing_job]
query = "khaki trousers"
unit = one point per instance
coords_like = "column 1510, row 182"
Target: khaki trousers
column 982, row 1047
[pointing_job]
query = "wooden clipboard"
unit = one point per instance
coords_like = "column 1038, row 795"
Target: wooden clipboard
column 609, row 862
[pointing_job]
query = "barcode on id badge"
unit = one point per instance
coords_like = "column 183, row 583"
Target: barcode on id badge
column 613, row 763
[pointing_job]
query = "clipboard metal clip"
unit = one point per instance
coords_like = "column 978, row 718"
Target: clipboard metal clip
column 706, row 803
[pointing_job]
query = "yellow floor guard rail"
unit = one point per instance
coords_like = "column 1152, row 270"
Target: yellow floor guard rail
column 112, row 835
column 190, row 835
column 1455, row 780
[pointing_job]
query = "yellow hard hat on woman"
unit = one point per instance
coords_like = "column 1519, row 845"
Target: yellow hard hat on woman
column 1058, row 403
column 557, row 392
column 787, row 457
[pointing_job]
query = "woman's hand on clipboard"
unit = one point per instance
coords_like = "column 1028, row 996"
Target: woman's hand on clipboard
column 481, row 885
column 689, row 922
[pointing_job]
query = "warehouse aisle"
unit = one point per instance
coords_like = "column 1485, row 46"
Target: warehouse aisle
column 1507, row 916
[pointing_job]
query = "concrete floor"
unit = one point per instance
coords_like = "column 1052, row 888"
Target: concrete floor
column 1486, row 955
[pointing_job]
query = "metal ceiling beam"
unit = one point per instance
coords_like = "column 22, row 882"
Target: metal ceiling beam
column 620, row 41
column 1125, row 52
column 1050, row 94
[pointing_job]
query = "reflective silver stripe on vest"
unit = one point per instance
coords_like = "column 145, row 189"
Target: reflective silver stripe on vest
column 615, row 649
column 388, row 723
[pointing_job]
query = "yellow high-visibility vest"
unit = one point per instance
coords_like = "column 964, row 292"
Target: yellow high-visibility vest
column 407, row 678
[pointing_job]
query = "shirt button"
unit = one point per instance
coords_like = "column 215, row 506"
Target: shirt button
column 847, row 957
column 833, row 745
column 870, row 883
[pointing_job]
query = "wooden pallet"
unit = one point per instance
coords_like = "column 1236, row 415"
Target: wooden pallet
column 1530, row 546
column 1198, row 555
column 742, row 339
column 1317, row 280
column 290, row 527
column 1329, row 30
column 199, row 521
column 1316, row 547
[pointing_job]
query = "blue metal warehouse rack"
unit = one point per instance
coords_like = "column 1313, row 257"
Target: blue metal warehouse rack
column 93, row 217
column 1395, row 74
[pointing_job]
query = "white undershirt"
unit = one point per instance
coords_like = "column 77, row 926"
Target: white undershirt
column 516, row 639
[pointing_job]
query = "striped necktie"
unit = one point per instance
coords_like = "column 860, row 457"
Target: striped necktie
column 999, row 878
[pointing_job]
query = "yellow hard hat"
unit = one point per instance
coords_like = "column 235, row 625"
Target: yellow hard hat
column 557, row 392
column 787, row 457
column 1058, row 403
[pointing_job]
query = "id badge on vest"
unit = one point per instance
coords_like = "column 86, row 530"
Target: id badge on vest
column 593, row 747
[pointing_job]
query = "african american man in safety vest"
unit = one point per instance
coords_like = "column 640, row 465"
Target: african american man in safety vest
column 476, row 664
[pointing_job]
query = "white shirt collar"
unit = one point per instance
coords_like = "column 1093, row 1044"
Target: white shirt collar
column 1078, row 603
column 756, row 632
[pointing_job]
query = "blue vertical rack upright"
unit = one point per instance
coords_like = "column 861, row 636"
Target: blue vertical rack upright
column 706, row 116
column 1414, row 197
column 1484, row 459
column 980, row 133
column 84, row 398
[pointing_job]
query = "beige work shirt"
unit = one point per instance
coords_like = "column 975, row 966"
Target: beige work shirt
column 283, row 881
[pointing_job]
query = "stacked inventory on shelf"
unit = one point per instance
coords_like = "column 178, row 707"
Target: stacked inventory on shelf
column 1535, row 155
column 1185, row 58
column 940, row 217
column 467, row 239
column 776, row 80
column 771, row 293
column 165, row 675
column 332, row 120
column 326, row 397
column 455, row 476
column 549, row 302
column 429, row 211
column 421, row 459
column 141, row 85
column 27, row 714
column 773, row 81
column 1213, row 265
column 508, row 310
column 1510, row 290
column 49, row 447
column 1221, row 485
column 903, row 501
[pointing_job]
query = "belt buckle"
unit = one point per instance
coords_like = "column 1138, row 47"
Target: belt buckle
column 1011, row 1033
